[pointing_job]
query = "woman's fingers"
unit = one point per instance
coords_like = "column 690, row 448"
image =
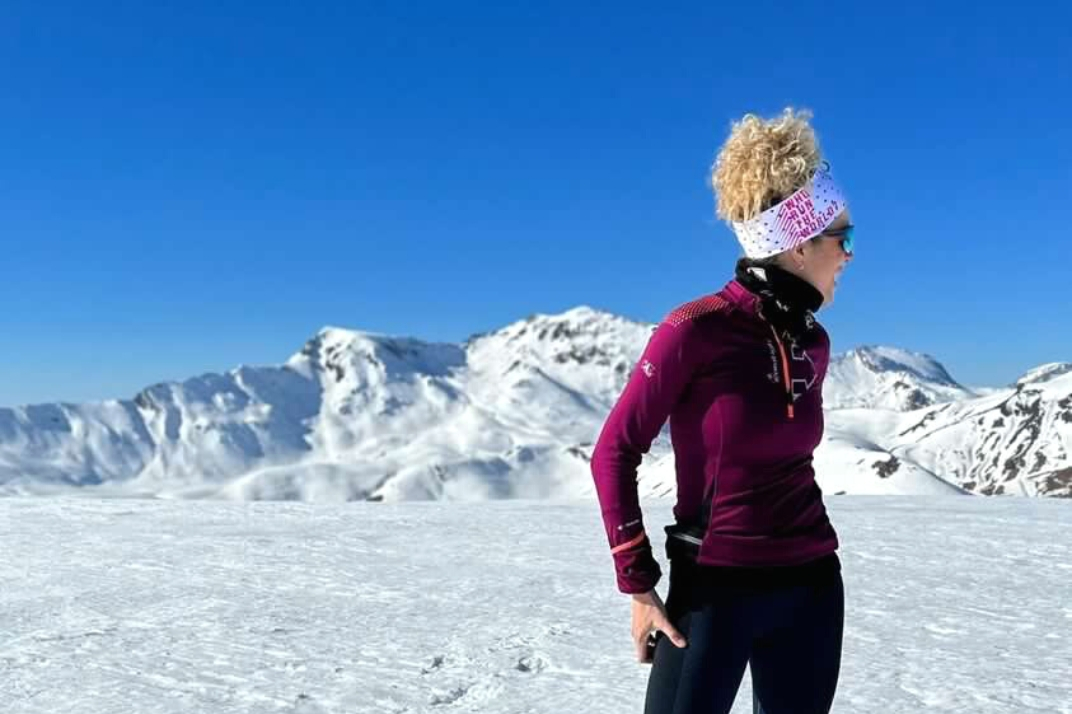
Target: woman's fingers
column 663, row 624
column 647, row 620
column 645, row 652
column 648, row 617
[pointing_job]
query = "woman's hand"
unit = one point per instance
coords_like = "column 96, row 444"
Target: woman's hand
column 649, row 615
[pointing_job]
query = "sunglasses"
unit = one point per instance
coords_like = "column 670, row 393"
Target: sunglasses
column 844, row 236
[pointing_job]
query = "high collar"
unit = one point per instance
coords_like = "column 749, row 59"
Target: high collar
column 742, row 297
column 786, row 301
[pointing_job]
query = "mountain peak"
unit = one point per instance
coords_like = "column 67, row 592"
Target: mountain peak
column 1044, row 373
column 581, row 314
column 882, row 358
column 585, row 312
column 582, row 322
column 878, row 376
column 342, row 351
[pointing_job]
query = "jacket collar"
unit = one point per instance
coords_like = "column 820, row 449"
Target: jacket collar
column 742, row 297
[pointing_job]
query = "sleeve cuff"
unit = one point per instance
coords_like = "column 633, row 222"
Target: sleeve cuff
column 639, row 575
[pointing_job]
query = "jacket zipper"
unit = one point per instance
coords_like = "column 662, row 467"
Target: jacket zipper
column 785, row 372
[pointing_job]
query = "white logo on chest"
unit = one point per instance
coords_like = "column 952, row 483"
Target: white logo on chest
column 801, row 386
column 797, row 354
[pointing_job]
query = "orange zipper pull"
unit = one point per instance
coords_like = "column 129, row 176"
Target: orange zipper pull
column 785, row 372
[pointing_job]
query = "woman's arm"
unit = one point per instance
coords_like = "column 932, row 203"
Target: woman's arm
column 655, row 386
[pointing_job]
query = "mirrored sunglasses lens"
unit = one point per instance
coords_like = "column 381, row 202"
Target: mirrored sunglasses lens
column 846, row 239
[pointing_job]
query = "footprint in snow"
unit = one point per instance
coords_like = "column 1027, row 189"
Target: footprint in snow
column 450, row 697
column 305, row 704
column 437, row 662
column 531, row 664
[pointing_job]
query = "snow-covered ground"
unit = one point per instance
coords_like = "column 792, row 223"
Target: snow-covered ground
column 955, row 604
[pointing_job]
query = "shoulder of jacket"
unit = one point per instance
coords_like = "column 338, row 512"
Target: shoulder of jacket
column 821, row 334
column 694, row 310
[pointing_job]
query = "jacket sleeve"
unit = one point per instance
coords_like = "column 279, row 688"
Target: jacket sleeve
column 655, row 386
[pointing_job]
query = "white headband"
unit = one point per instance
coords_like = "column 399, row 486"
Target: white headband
column 786, row 225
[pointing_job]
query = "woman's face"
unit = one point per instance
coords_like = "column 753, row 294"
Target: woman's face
column 821, row 260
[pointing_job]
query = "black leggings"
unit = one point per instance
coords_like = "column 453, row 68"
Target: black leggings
column 789, row 634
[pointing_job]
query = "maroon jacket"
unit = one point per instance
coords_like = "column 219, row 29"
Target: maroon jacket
column 746, row 413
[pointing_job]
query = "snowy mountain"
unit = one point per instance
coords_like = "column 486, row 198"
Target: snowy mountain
column 1019, row 441
column 353, row 415
column 510, row 413
column 1044, row 373
column 888, row 378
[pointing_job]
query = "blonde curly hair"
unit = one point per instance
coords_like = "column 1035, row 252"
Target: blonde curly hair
column 763, row 162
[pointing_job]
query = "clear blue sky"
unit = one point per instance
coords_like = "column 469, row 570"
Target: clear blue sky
column 189, row 186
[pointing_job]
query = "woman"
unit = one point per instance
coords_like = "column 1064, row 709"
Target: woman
column 754, row 578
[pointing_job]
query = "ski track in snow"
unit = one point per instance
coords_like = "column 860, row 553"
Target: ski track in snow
column 955, row 604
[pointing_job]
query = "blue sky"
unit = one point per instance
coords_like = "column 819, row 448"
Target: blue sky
column 185, row 187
